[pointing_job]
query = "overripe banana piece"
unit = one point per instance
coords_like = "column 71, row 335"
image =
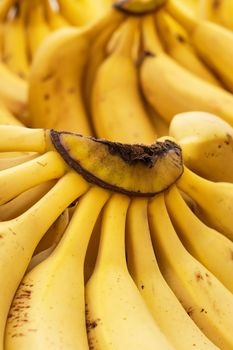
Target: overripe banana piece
column 117, row 109
column 21, row 235
column 55, row 95
column 15, row 49
column 213, row 42
column 56, row 307
column 117, row 317
column 178, row 46
column 214, row 200
column 217, row 11
column 22, row 177
column 55, row 18
column 24, row 201
column 207, row 301
column 165, row 80
column 166, row 309
column 208, row 246
column 207, row 142
column 38, row 28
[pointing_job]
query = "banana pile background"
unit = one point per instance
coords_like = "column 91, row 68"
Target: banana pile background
column 82, row 267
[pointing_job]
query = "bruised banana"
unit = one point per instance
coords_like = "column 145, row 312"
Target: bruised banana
column 207, row 142
column 207, row 301
column 59, row 318
column 178, row 46
column 214, row 200
column 147, row 169
column 116, row 90
column 55, row 93
column 165, row 80
column 164, row 306
column 21, row 235
column 117, row 317
column 208, row 246
column 213, row 42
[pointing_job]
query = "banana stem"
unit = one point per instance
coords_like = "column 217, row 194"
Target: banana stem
column 182, row 14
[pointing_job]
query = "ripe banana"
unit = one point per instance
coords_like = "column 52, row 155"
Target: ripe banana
column 55, row 18
column 165, row 80
column 117, row 317
column 213, row 42
column 55, row 94
column 5, row 6
column 15, row 49
column 10, row 159
column 20, row 236
column 214, row 200
column 115, row 91
column 208, row 246
column 178, row 46
column 161, row 301
column 217, row 11
column 207, row 142
column 56, row 305
column 6, row 117
column 207, row 301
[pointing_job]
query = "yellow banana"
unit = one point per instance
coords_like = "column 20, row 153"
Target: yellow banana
column 117, row 317
column 15, row 49
column 166, row 309
column 208, row 302
column 8, row 160
column 56, row 306
column 24, row 201
column 55, row 95
column 214, row 200
column 21, row 235
column 207, row 142
column 38, row 28
column 178, row 46
column 217, row 11
column 165, row 80
column 5, row 6
column 7, row 118
column 55, row 18
column 213, row 42
column 117, row 109
column 208, row 246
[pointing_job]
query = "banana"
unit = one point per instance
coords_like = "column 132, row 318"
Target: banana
column 20, row 236
column 55, row 94
column 165, row 80
column 208, row 246
column 54, row 296
column 206, row 141
column 214, row 200
column 117, row 109
column 166, row 309
column 5, row 6
column 8, row 161
column 6, row 117
column 178, row 46
column 15, row 50
column 117, row 317
column 55, row 18
column 22, row 177
column 38, row 28
column 24, row 201
column 217, row 11
column 208, row 302
column 213, row 42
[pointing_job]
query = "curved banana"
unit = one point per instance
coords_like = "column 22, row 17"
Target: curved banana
column 165, row 80
column 208, row 246
column 217, row 11
column 38, row 28
column 55, row 18
column 118, row 113
column 208, row 302
column 21, row 235
column 166, row 309
column 213, row 42
column 178, row 46
column 117, row 317
column 207, row 142
column 7, row 160
column 56, row 307
column 214, row 200
column 55, row 95
column 15, row 49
